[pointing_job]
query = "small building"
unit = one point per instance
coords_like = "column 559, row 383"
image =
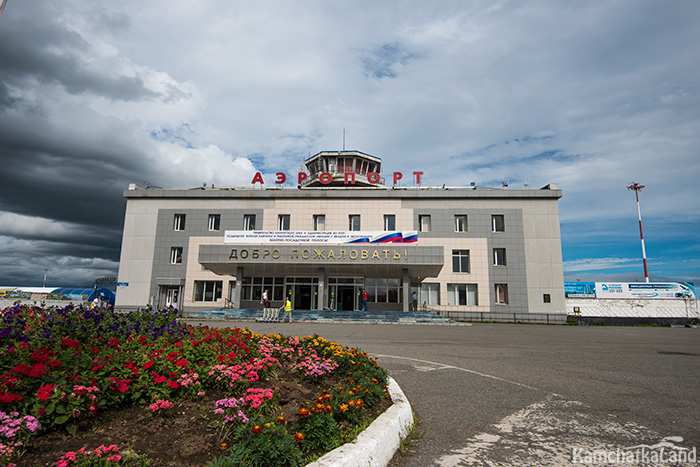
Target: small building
column 340, row 228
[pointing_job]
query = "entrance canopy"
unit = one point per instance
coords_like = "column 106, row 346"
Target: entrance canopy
column 366, row 259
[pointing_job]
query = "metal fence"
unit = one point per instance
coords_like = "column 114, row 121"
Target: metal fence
column 500, row 317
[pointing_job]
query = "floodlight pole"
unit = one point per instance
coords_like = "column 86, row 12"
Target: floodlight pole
column 637, row 188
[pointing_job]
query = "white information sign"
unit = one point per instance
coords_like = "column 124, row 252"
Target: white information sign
column 300, row 236
column 643, row 290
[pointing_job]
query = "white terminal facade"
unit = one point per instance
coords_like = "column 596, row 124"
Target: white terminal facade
column 342, row 229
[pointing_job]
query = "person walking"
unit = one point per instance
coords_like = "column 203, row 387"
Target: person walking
column 363, row 296
column 415, row 301
column 265, row 301
column 287, row 307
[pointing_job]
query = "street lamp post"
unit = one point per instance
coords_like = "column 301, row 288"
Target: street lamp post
column 637, row 188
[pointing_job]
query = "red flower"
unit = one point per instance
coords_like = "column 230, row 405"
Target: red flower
column 37, row 370
column 142, row 339
column 113, row 341
column 9, row 397
column 173, row 384
column 21, row 368
column 44, row 392
column 159, row 379
column 148, row 364
column 257, row 429
column 68, row 342
column 53, row 363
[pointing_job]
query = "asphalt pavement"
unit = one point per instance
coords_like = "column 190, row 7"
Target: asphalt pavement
column 509, row 395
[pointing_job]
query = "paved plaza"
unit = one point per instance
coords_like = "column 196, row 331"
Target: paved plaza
column 534, row 395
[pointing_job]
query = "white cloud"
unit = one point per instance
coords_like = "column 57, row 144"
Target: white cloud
column 596, row 264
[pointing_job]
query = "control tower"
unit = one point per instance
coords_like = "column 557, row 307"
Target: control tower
column 337, row 168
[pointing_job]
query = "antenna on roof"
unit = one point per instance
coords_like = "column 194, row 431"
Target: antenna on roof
column 526, row 179
column 343, row 139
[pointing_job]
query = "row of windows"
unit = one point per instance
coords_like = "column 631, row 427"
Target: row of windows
column 378, row 291
column 460, row 259
column 460, row 294
column 213, row 223
column 284, row 222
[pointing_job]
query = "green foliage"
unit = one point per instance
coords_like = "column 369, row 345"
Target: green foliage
column 266, row 445
column 320, row 431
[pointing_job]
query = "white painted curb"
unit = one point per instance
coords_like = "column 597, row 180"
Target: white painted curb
column 376, row 445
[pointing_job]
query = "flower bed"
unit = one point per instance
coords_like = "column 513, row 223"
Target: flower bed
column 67, row 374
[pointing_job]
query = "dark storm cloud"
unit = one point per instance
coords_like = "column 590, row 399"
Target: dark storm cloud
column 33, row 45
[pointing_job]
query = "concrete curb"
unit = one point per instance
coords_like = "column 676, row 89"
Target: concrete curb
column 377, row 444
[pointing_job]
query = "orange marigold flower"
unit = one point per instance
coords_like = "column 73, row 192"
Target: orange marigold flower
column 359, row 402
column 299, row 437
column 351, row 403
column 329, row 409
column 343, row 408
column 374, row 380
column 303, row 413
column 281, row 420
column 257, row 429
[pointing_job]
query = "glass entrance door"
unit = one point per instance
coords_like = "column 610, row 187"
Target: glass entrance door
column 172, row 296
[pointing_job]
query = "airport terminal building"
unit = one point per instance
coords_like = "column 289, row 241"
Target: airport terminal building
column 342, row 227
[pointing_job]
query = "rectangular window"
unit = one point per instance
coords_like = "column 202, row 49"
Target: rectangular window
column 179, row 222
column 249, row 222
column 460, row 261
column 429, row 294
column 498, row 224
column 214, row 222
column 462, row 294
column 460, row 223
column 546, row 298
column 176, row 255
column 207, row 291
column 499, row 256
column 319, row 223
column 383, row 290
column 424, row 223
column 354, row 222
column 389, row 222
column 501, row 294
column 253, row 288
column 283, row 222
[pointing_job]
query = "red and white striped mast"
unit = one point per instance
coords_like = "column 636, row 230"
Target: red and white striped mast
column 637, row 188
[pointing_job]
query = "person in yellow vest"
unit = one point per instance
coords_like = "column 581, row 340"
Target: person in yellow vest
column 287, row 307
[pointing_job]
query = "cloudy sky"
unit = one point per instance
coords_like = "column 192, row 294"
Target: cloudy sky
column 592, row 95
